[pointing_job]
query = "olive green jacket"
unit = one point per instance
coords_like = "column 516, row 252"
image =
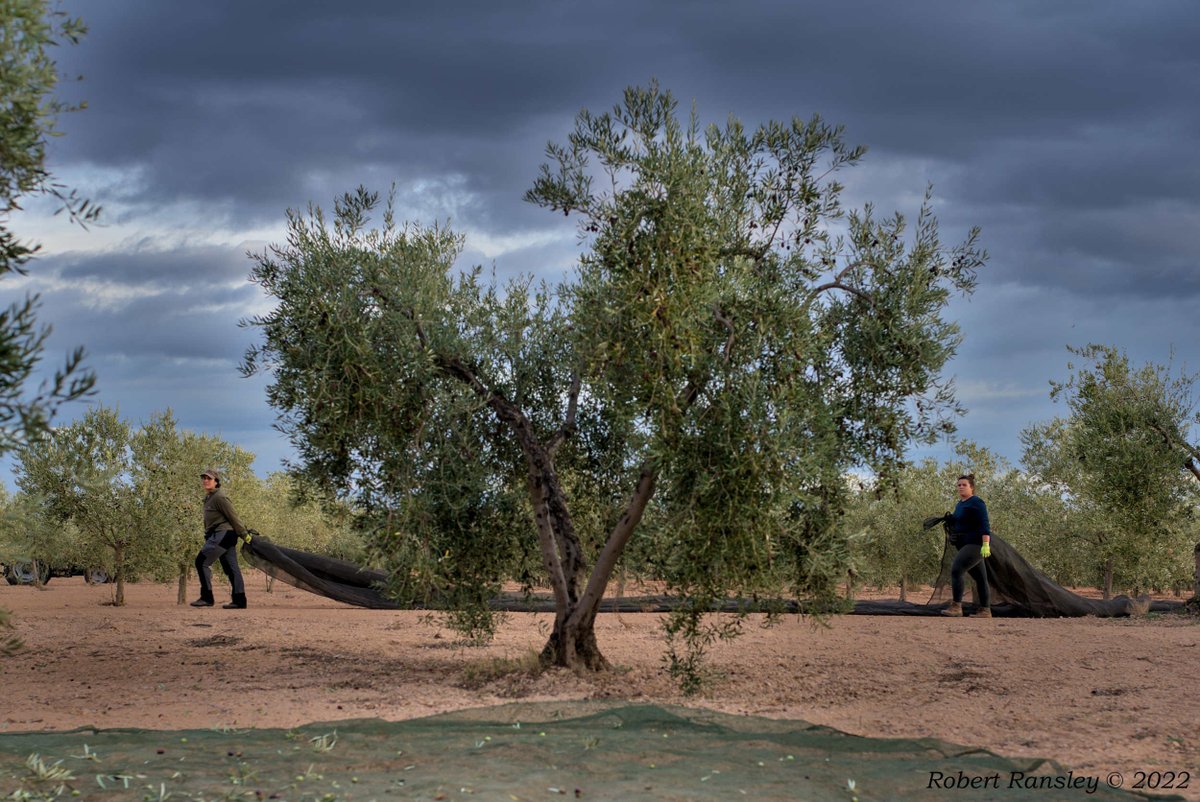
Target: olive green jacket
column 219, row 515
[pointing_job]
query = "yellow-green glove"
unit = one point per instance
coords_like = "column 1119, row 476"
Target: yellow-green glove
column 985, row 550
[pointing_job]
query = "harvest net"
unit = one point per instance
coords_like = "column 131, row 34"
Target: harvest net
column 542, row 751
column 1018, row 589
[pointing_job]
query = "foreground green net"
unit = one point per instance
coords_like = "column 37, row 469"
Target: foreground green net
column 548, row 751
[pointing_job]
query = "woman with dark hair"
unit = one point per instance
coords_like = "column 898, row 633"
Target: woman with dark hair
column 972, row 534
column 222, row 528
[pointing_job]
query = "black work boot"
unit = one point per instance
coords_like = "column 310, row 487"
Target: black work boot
column 205, row 600
column 238, row 603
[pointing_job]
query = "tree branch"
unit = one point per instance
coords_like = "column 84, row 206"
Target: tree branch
column 561, row 563
column 615, row 545
column 1190, row 462
column 727, row 323
column 838, row 284
column 756, row 255
column 568, row 427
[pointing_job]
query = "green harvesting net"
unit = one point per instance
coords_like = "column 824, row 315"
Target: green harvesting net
column 545, row 751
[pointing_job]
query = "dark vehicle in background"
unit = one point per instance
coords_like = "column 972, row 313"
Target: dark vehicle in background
column 21, row 572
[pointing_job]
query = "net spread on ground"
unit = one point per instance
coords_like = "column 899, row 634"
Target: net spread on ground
column 527, row 751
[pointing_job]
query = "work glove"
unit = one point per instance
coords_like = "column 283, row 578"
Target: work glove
column 985, row 550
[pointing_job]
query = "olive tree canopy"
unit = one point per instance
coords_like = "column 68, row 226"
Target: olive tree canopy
column 729, row 344
column 1123, row 456
column 28, row 117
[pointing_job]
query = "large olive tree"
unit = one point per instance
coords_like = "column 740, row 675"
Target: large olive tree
column 729, row 344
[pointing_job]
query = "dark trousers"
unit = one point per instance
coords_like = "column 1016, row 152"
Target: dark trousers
column 970, row 561
column 213, row 551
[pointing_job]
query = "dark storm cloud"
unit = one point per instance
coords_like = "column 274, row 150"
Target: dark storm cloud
column 269, row 106
column 146, row 263
column 253, row 103
column 177, row 305
column 1069, row 131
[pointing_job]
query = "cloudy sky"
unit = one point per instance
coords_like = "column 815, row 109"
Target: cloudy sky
column 1069, row 131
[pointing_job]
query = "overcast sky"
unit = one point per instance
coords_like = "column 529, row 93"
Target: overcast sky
column 1069, row 131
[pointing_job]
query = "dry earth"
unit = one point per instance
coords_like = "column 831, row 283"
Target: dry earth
column 1096, row 695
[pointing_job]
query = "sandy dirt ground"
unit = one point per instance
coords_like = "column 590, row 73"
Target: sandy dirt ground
column 1096, row 695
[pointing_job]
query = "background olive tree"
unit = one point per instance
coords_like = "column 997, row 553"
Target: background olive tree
column 30, row 531
column 130, row 492
column 729, row 345
column 889, row 547
column 165, row 472
column 81, row 474
column 1124, row 458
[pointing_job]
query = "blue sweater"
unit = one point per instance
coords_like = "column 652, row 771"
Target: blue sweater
column 970, row 521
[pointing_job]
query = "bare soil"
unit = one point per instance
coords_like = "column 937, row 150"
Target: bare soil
column 1097, row 695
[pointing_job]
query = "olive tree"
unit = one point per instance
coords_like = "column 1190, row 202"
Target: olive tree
column 1124, row 455
column 885, row 518
column 28, row 117
column 131, row 492
column 884, row 523
column 164, row 473
column 729, row 344
column 30, row 531
column 80, row 473
column 278, row 508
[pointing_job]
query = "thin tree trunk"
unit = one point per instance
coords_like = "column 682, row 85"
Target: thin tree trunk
column 181, row 593
column 1196, row 575
column 1108, row 579
column 904, row 587
column 119, row 559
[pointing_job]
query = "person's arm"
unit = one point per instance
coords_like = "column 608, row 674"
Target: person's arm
column 986, row 549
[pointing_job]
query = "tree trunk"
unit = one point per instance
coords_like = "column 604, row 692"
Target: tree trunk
column 903, row 587
column 572, row 644
column 181, row 593
column 119, row 561
column 1196, row 575
column 1108, row 579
